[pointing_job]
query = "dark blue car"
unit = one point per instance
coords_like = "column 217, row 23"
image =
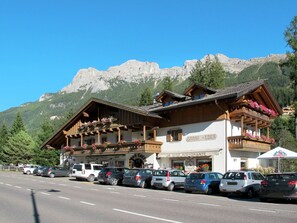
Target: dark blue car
column 203, row 182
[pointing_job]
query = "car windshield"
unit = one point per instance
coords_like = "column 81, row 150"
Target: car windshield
column 160, row 173
column 196, row 176
column 131, row 172
column 284, row 177
column 234, row 175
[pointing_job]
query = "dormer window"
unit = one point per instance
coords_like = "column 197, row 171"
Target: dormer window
column 199, row 96
column 168, row 103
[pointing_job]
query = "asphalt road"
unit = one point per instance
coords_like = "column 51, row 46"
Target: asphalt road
column 32, row 199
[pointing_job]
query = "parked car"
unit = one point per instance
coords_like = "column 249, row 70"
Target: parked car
column 86, row 171
column 55, row 172
column 203, row 182
column 28, row 169
column 242, row 182
column 111, row 175
column 38, row 171
column 279, row 186
column 168, row 178
column 138, row 177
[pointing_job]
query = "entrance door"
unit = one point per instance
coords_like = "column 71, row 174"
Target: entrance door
column 138, row 163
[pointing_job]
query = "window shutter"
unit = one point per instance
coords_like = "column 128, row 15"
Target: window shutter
column 169, row 136
column 180, row 136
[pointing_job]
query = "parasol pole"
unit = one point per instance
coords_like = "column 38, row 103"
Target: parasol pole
column 278, row 164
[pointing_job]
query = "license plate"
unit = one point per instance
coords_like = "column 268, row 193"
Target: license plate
column 232, row 183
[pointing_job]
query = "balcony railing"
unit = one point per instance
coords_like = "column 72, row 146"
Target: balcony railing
column 137, row 146
column 241, row 143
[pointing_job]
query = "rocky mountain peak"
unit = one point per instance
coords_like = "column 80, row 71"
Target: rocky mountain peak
column 135, row 71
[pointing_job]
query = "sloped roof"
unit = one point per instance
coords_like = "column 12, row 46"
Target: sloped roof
column 233, row 92
column 172, row 94
column 201, row 86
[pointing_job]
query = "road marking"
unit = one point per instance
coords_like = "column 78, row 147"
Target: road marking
column 44, row 193
column 114, row 192
column 52, row 183
column 1, row 183
column 83, row 202
column 8, row 185
column 146, row 216
column 62, row 184
column 94, row 189
column 207, row 204
column 28, row 189
column 17, row 187
column 167, row 199
column 261, row 210
column 65, row 198
column 138, row 195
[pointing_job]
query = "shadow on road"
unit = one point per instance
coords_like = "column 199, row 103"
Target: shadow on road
column 35, row 211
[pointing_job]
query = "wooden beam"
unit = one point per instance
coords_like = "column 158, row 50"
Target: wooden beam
column 144, row 132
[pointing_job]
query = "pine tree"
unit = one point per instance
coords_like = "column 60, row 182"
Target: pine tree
column 19, row 148
column 4, row 134
column 146, row 97
column 42, row 156
column 17, row 125
column 211, row 73
column 167, row 84
column 291, row 38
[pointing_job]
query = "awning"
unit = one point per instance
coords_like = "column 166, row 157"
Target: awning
column 189, row 154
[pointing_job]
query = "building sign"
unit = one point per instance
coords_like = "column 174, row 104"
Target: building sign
column 196, row 138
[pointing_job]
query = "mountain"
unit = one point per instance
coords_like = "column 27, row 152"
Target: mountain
column 136, row 71
column 125, row 83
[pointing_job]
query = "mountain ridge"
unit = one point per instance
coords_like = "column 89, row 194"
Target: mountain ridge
column 135, row 71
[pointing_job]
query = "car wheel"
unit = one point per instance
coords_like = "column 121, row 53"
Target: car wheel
column 91, row 178
column 113, row 181
column 250, row 193
column 171, row 187
column 225, row 194
column 52, row 175
column 209, row 190
column 188, row 191
column 28, row 172
column 142, row 184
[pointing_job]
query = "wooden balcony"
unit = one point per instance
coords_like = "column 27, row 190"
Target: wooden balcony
column 250, row 117
column 240, row 143
column 146, row 146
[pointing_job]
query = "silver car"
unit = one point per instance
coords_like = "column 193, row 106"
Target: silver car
column 169, row 179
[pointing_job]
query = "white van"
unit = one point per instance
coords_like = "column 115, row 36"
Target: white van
column 86, row 171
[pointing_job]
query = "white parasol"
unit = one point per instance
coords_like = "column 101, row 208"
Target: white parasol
column 278, row 153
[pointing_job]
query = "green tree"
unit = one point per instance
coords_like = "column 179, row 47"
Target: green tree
column 291, row 38
column 17, row 125
column 45, row 132
column 45, row 157
column 4, row 134
column 211, row 73
column 19, row 148
column 167, row 84
column 146, row 97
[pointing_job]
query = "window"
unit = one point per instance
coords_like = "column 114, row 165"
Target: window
column 87, row 166
column 199, row 96
column 178, row 164
column 174, row 135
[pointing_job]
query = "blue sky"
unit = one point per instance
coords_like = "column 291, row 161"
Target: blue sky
column 43, row 43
